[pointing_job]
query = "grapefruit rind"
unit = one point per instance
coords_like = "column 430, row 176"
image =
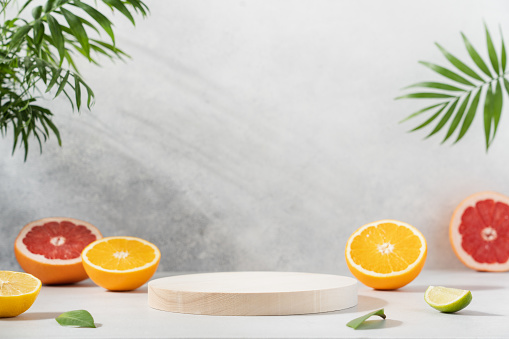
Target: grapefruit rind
column 387, row 281
column 51, row 271
column 456, row 238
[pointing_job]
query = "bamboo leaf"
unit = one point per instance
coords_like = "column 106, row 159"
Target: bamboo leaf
column 459, row 64
column 18, row 36
column 57, row 36
column 427, row 122
column 475, row 56
column 63, row 83
column 436, row 85
column 446, row 73
column 36, row 12
column 457, row 118
column 119, row 5
column 77, row 29
column 445, row 118
column 422, row 111
column 53, row 128
column 491, row 51
column 77, row 92
column 54, row 78
column 102, row 20
column 426, row 95
column 38, row 35
column 470, row 116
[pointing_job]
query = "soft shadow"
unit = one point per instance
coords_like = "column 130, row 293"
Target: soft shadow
column 143, row 289
column 364, row 304
column 34, row 316
column 422, row 288
column 85, row 283
column 475, row 313
column 377, row 324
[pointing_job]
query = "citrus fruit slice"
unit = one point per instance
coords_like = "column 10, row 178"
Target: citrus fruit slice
column 50, row 249
column 120, row 263
column 479, row 231
column 447, row 300
column 18, row 292
column 386, row 254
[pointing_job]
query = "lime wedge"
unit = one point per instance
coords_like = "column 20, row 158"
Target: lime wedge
column 447, row 300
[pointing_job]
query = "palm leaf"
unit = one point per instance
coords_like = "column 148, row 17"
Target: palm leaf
column 503, row 55
column 427, row 122
column 470, row 116
column 445, row 118
column 426, row 95
column 422, row 111
column 436, row 85
column 459, row 64
column 457, row 118
column 491, row 52
column 446, row 73
column 476, row 57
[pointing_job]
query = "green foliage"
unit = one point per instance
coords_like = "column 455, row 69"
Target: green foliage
column 37, row 59
column 472, row 90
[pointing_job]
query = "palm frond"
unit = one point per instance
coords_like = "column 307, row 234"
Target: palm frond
column 464, row 92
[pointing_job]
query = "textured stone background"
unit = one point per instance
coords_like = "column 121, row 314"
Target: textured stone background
column 258, row 135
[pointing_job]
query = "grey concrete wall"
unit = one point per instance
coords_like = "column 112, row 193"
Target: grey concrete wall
column 258, row 135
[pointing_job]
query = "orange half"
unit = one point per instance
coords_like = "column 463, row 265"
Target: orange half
column 120, row 263
column 386, row 254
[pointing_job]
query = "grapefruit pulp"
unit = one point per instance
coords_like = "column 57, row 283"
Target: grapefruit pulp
column 479, row 232
column 50, row 249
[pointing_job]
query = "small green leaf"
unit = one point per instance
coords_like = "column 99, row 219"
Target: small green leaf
column 503, row 55
column 475, row 56
column 446, row 73
column 426, row 95
column 56, row 35
column 79, row 318
column 36, row 12
column 491, row 51
column 358, row 321
column 437, row 85
column 427, row 122
column 488, row 115
column 459, row 64
column 470, row 115
column 445, row 118
column 422, row 111
column 119, row 5
column 457, row 118
column 498, row 102
column 77, row 29
column 98, row 17
column 19, row 35
column 77, row 91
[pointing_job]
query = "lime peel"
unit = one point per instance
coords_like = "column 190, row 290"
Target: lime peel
column 447, row 300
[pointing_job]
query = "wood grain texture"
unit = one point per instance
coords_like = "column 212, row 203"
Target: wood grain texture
column 252, row 293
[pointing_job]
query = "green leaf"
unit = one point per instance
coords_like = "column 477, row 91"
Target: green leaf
column 426, row 96
column 18, row 36
column 57, row 36
column 446, row 73
column 62, row 84
column 422, row 111
column 119, row 5
column 497, row 108
column 437, row 85
column 54, row 78
column 358, row 321
column 470, row 115
column 457, row 118
column 48, row 7
column 79, row 318
column 491, row 51
column 36, row 12
column 503, row 55
column 102, row 20
column 475, row 56
column 459, row 64
column 488, row 115
column 38, row 35
column 445, row 118
column 76, row 27
column 77, row 91
column 427, row 122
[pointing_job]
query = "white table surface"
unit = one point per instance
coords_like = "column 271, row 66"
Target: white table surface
column 127, row 314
